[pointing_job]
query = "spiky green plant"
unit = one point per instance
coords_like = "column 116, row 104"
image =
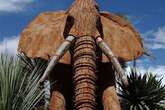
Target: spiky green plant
column 18, row 82
column 144, row 92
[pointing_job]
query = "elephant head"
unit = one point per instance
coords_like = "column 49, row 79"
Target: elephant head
column 85, row 29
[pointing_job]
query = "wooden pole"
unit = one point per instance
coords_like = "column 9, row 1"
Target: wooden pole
column 59, row 53
column 108, row 52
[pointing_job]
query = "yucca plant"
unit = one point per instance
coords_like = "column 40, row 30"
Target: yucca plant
column 144, row 92
column 18, row 82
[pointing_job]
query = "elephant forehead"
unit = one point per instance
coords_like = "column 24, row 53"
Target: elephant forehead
column 42, row 37
column 120, row 35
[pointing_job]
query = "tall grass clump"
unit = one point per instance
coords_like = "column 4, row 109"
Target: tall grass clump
column 19, row 76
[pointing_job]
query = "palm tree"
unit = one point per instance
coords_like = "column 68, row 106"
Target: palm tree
column 144, row 92
column 18, row 80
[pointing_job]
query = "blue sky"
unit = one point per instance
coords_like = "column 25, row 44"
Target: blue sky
column 148, row 16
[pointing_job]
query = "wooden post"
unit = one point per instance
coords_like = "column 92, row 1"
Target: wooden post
column 59, row 53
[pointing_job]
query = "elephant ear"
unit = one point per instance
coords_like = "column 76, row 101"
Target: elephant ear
column 121, row 36
column 42, row 37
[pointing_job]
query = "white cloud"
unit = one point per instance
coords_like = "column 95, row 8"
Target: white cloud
column 155, row 39
column 9, row 45
column 158, row 70
column 13, row 5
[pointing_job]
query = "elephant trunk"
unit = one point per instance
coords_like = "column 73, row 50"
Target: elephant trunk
column 84, row 59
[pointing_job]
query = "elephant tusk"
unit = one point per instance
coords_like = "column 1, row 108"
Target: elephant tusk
column 108, row 52
column 59, row 53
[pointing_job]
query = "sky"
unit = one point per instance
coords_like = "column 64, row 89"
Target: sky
column 147, row 16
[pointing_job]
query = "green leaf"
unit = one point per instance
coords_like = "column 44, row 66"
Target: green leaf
column 18, row 82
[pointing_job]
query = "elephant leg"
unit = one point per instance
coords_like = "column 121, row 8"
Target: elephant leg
column 61, row 87
column 57, row 101
column 110, row 100
column 106, row 90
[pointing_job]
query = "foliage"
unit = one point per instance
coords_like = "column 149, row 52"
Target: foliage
column 18, row 82
column 143, row 92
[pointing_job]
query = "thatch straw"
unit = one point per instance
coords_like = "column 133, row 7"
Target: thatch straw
column 44, row 34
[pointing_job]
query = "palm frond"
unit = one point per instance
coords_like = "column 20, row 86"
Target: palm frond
column 144, row 92
column 18, row 82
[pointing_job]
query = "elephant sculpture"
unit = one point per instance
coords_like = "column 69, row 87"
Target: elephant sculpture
column 97, row 42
